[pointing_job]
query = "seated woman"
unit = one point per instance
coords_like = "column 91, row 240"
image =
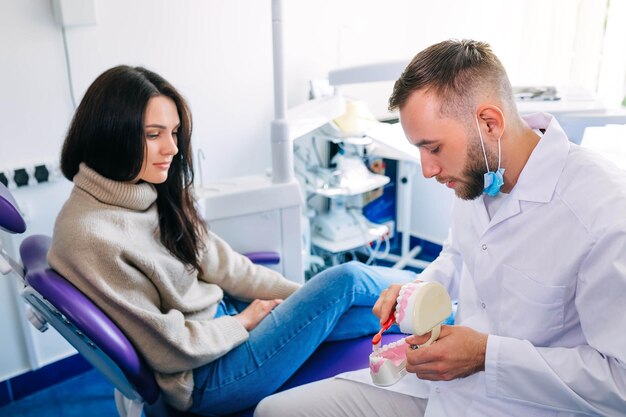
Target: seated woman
column 212, row 325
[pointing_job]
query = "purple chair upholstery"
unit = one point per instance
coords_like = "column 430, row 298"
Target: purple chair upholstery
column 10, row 218
column 264, row 258
column 103, row 344
column 330, row 359
column 123, row 365
column 85, row 326
column 335, row 358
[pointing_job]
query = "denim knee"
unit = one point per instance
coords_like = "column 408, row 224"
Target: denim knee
column 347, row 275
column 349, row 270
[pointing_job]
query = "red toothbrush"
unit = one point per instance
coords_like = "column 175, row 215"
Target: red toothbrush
column 376, row 339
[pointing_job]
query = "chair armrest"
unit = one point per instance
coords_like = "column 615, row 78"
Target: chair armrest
column 264, row 258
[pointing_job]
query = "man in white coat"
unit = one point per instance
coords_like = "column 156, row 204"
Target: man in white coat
column 536, row 256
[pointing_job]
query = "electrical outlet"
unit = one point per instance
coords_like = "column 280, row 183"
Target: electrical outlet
column 41, row 174
column 8, row 174
column 29, row 174
column 21, row 177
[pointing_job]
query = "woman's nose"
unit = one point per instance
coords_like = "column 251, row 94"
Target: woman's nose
column 171, row 146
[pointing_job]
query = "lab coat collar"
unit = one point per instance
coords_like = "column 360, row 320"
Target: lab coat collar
column 539, row 177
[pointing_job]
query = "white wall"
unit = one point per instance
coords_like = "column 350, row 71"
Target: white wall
column 540, row 42
column 218, row 53
column 34, row 102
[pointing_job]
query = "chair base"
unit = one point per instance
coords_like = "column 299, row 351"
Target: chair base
column 127, row 407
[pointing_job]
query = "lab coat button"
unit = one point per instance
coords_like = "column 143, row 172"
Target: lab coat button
column 483, row 305
column 484, row 246
column 437, row 390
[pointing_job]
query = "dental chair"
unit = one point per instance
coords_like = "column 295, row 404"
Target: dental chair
column 55, row 301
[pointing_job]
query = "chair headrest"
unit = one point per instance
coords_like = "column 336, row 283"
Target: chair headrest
column 34, row 252
column 10, row 218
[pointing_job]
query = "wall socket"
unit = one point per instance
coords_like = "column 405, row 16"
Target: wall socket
column 29, row 175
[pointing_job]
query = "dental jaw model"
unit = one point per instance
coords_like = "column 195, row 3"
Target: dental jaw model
column 421, row 308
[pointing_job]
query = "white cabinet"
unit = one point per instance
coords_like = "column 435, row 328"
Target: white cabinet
column 255, row 215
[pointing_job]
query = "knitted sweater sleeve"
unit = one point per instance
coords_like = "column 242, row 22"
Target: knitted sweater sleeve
column 238, row 276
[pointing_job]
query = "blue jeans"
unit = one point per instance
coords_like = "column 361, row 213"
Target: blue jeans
column 334, row 305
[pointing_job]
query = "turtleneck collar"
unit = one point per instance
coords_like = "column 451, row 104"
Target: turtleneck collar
column 139, row 196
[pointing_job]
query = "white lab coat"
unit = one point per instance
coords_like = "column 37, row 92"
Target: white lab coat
column 546, row 279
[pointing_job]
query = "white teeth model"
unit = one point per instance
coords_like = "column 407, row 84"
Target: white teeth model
column 388, row 365
column 421, row 308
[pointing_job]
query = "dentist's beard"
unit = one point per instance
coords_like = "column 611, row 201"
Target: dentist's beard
column 472, row 184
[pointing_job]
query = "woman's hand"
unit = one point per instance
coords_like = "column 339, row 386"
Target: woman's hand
column 255, row 312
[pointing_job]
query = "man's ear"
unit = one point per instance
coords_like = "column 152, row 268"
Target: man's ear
column 490, row 121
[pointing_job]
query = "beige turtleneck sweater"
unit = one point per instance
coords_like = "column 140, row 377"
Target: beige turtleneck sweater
column 106, row 243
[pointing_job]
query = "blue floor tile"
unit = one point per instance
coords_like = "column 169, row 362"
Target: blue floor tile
column 5, row 393
column 34, row 381
column 88, row 394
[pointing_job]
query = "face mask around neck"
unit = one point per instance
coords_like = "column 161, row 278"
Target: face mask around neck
column 493, row 180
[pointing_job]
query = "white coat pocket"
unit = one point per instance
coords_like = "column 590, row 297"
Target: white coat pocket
column 529, row 309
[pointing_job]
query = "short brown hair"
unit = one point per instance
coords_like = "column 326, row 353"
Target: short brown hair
column 455, row 70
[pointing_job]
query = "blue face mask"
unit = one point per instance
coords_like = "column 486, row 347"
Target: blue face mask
column 493, row 179
column 493, row 182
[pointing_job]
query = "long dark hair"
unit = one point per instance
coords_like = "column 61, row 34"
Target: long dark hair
column 107, row 134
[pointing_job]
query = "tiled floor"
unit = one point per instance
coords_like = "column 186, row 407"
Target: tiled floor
column 87, row 394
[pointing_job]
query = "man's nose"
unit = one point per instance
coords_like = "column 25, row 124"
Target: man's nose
column 429, row 167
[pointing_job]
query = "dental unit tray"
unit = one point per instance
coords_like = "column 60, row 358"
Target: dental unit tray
column 421, row 308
